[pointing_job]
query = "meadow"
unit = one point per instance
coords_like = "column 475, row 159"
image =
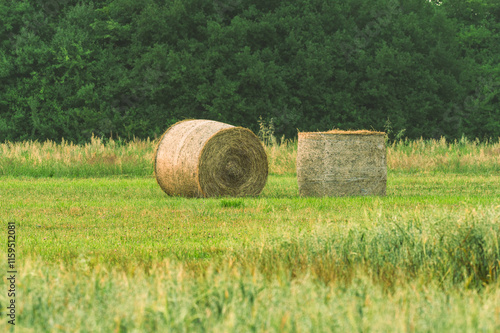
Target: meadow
column 103, row 249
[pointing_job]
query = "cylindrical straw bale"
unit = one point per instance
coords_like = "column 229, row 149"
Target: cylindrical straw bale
column 341, row 163
column 205, row 158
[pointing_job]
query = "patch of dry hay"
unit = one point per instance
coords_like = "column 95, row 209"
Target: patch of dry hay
column 205, row 158
column 341, row 163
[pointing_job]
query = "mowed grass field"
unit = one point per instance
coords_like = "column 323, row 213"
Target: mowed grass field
column 102, row 249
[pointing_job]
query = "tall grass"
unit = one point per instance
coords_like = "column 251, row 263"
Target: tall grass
column 170, row 299
column 94, row 159
column 454, row 249
column 440, row 155
column 134, row 158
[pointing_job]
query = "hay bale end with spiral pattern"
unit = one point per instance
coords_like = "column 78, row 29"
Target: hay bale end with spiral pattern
column 205, row 158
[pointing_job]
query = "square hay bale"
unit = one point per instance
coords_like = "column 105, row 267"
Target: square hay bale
column 341, row 163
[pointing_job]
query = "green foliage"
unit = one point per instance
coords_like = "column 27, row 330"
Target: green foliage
column 266, row 132
column 119, row 68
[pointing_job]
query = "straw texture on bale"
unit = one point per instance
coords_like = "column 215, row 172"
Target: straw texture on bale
column 205, row 158
column 341, row 163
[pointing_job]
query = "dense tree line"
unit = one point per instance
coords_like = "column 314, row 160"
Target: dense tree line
column 128, row 68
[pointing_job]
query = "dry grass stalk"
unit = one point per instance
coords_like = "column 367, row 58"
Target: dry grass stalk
column 341, row 163
column 204, row 158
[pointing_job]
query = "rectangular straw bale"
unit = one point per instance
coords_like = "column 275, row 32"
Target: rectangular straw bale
column 341, row 163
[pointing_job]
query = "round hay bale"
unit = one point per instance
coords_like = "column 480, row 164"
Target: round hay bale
column 341, row 163
column 205, row 158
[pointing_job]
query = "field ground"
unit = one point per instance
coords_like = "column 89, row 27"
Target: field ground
column 115, row 254
column 100, row 248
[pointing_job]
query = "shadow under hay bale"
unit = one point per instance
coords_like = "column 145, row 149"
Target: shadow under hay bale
column 341, row 163
column 205, row 158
